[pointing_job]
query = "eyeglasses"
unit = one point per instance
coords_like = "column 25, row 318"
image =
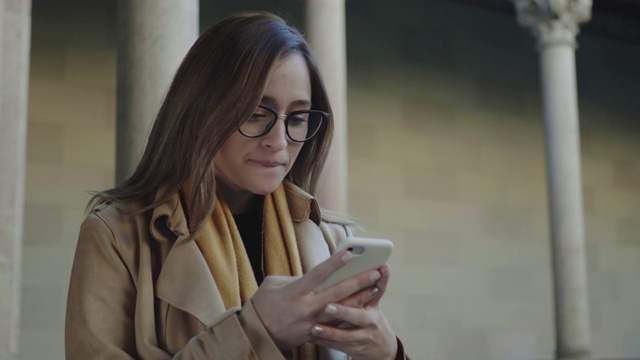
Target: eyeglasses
column 300, row 125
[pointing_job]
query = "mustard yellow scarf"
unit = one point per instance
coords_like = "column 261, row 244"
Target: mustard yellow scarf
column 225, row 254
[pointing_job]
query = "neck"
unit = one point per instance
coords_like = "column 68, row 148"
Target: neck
column 238, row 200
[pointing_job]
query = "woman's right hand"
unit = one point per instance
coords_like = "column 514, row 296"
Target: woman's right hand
column 289, row 307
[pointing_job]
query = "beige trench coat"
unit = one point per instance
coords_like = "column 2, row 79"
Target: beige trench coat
column 138, row 290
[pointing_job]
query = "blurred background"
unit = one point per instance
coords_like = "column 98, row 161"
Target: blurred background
column 446, row 158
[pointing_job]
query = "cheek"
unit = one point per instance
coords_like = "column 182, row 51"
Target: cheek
column 229, row 152
column 221, row 157
column 294, row 151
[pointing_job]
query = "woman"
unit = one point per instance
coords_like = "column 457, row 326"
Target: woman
column 212, row 248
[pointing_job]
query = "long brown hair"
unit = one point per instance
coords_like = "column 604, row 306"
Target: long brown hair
column 217, row 86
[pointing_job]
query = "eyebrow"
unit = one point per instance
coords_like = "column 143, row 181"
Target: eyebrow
column 301, row 102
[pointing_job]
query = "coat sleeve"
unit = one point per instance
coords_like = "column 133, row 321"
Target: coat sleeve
column 238, row 334
column 101, row 300
column 101, row 311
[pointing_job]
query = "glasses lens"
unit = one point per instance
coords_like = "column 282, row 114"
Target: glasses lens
column 258, row 124
column 303, row 125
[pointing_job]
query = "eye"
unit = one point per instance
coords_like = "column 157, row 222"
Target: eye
column 257, row 117
column 260, row 115
column 298, row 120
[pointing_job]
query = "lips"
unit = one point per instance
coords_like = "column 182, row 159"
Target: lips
column 268, row 164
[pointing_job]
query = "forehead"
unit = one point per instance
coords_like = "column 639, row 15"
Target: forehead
column 289, row 82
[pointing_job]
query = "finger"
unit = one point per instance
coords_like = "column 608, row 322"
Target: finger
column 381, row 284
column 361, row 298
column 360, row 318
column 315, row 276
column 331, row 337
column 346, row 288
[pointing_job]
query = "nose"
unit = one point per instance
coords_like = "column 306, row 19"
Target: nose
column 276, row 139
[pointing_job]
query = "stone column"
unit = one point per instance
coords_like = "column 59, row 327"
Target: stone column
column 327, row 37
column 153, row 37
column 15, row 36
column 555, row 25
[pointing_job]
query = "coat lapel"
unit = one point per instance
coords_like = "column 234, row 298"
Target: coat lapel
column 306, row 217
column 185, row 281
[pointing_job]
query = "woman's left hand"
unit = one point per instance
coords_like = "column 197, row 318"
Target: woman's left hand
column 369, row 338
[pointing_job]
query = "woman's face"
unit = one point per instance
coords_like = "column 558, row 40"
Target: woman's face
column 258, row 165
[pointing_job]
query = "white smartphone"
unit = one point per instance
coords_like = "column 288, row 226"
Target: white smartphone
column 367, row 254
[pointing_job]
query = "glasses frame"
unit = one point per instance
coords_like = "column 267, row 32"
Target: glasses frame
column 323, row 117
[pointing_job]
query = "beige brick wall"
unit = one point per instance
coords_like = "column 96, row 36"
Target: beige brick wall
column 461, row 192
column 446, row 159
column 70, row 150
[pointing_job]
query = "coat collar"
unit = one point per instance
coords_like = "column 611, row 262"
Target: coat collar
column 168, row 220
column 301, row 205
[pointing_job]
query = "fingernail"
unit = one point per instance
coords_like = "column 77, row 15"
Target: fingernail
column 374, row 276
column 317, row 330
column 331, row 309
column 346, row 256
column 373, row 292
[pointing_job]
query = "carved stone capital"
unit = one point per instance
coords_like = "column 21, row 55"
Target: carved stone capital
column 553, row 22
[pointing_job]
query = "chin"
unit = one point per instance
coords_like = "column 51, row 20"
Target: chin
column 265, row 188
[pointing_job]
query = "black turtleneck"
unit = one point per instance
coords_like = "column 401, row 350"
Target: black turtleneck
column 250, row 227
